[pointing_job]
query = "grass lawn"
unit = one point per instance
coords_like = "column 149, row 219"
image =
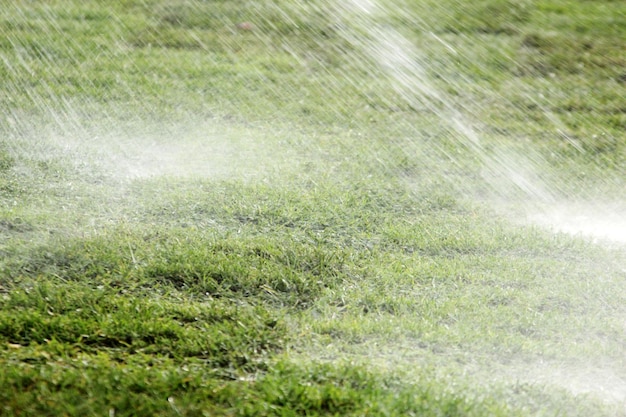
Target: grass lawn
column 284, row 208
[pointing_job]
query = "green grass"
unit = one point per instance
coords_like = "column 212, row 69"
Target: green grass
column 226, row 208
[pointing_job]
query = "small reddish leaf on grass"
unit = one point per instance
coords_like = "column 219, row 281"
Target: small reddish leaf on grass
column 245, row 26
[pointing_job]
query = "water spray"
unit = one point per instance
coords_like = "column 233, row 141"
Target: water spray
column 511, row 175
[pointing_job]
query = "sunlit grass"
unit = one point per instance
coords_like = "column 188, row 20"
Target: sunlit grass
column 220, row 208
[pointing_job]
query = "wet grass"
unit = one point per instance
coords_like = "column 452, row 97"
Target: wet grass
column 218, row 208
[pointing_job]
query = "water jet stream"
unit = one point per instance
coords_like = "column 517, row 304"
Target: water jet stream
column 515, row 179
